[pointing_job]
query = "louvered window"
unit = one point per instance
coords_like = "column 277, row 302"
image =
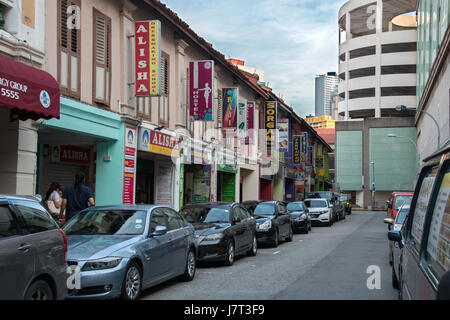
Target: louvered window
column 164, row 98
column 69, row 53
column 102, row 58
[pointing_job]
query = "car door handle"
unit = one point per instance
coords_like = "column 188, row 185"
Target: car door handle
column 24, row 247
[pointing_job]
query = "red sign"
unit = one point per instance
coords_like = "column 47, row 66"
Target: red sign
column 72, row 154
column 148, row 54
column 250, row 139
column 129, row 165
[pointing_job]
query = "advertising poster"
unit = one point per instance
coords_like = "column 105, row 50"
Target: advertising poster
column 250, row 139
column 148, row 58
column 242, row 119
column 228, row 188
column 271, row 124
column 202, row 184
column 283, row 135
column 421, row 207
column 201, row 90
column 230, row 104
column 129, row 165
column 309, row 156
column 296, row 158
column 300, row 180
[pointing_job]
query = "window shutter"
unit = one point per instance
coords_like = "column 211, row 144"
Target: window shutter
column 102, row 56
column 63, row 24
column 100, row 45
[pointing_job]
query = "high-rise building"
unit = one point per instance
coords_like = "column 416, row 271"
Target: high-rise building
column 325, row 85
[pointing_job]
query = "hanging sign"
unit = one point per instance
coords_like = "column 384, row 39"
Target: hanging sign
column 283, row 135
column 201, row 88
column 230, row 104
column 129, row 170
column 250, row 139
column 297, row 150
column 271, row 124
column 242, row 119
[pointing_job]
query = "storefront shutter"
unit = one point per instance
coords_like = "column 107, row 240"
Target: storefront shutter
column 64, row 174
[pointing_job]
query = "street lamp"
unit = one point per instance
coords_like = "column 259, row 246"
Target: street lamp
column 402, row 108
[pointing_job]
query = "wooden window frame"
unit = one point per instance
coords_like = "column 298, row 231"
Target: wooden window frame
column 68, row 91
column 142, row 114
column 165, row 91
column 106, row 103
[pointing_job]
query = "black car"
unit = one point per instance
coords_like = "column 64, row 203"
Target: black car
column 223, row 230
column 274, row 223
column 338, row 207
column 301, row 220
column 250, row 205
column 344, row 199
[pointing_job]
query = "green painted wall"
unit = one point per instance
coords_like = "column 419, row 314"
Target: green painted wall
column 349, row 158
column 395, row 159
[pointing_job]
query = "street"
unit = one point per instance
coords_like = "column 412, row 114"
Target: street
column 327, row 263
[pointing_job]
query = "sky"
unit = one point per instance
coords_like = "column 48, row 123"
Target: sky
column 291, row 40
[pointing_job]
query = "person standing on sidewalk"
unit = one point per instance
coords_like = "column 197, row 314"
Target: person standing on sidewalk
column 76, row 197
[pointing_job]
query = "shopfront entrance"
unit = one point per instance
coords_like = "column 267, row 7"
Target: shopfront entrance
column 266, row 189
column 226, row 183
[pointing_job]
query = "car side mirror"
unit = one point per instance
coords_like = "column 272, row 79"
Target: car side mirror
column 159, row 231
column 395, row 236
column 443, row 292
column 389, row 221
column 331, row 206
column 236, row 220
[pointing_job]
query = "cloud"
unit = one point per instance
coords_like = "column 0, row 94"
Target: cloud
column 292, row 40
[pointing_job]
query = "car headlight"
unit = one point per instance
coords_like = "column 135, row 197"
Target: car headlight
column 101, row 264
column 301, row 218
column 324, row 211
column 213, row 237
column 265, row 226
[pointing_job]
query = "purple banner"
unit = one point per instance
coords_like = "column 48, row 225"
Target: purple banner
column 250, row 122
column 201, row 90
column 230, row 103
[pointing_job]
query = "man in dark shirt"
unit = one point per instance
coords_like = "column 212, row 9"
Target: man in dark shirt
column 76, row 197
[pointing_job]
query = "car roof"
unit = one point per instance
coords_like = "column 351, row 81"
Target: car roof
column 210, row 204
column 402, row 193
column 17, row 197
column 129, row 207
column 316, row 199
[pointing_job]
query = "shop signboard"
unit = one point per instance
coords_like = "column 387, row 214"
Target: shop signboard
column 319, row 165
column 70, row 154
column 201, row 88
column 242, row 119
column 283, row 135
column 158, row 142
column 297, row 150
column 300, row 180
column 129, row 165
column 271, row 124
column 230, row 104
column 304, row 146
column 310, row 156
column 250, row 139
column 148, row 58
column 228, row 187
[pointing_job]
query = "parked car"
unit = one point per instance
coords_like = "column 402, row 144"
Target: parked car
column 338, row 207
column 331, row 199
column 396, row 200
column 274, row 223
column 301, row 220
column 223, row 230
column 32, row 251
column 425, row 261
column 345, row 201
column 394, row 247
column 121, row 250
column 250, row 205
column 320, row 211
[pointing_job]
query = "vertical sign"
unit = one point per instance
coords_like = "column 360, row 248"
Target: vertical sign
column 297, row 150
column 242, row 119
column 129, row 169
column 271, row 124
column 309, row 158
column 283, row 135
column 230, row 103
column 148, row 58
column 250, row 139
column 304, row 145
column 201, row 88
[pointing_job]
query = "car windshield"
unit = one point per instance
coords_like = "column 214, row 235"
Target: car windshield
column 316, row 203
column 401, row 200
column 295, row 206
column 265, row 209
column 209, row 215
column 401, row 216
column 107, row 222
column 250, row 207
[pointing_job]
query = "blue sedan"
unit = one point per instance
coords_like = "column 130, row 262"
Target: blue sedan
column 119, row 251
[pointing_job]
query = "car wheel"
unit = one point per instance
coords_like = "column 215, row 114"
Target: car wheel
column 330, row 223
column 39, row 290
column 132, row 282
column 395, row 283
column 290, row 236
column 254, row 249
column 306, row 229
column 310, row 227
column 189, row 273
column 229, row 260
column 276, row 239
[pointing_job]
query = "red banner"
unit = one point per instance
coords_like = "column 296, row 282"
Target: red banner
column 129, row 165
column 72, row 154
column 201, row 90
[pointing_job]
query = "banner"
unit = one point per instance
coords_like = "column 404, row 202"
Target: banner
column 230, row 104
column 148, row 58
column 70, row 154
column 309, row 157
column 297, row 150
column 129, row 170
column 201, row 88
column 283, row 135
column 242, row 119
column 270, row 124
column 300, row 180
column 158, row 142
column 304, row 145
column 250, row 139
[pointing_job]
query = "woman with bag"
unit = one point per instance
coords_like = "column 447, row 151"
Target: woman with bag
column 52, row 200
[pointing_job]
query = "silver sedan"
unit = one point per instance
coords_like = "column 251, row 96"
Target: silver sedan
column 118, row 251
